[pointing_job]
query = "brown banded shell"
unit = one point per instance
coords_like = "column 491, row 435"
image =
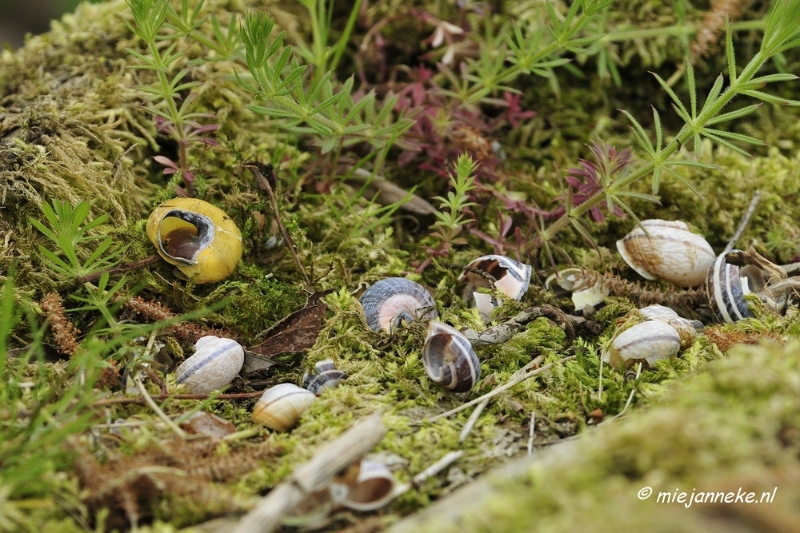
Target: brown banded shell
column 393, row 302
column 325, row 376
column 215, row 363
column 198, row 238
column 449, row 358
column 281, row 406
column 510, row 278
column 668, row 251
column 648, row 342
column 366, row 486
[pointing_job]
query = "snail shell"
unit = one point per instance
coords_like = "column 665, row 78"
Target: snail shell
column 325, row 376
column 393, row 302
column 586, row 287
column 736, row 274
column 197, row 237
column 687, row 329
column 668, row 251
column 215, row 363
column 281, row 406
column 648, row 341
column 511, row 279
column 449, row 358
column 366, row 486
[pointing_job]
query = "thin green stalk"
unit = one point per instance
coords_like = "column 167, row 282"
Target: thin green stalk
column 684, row 135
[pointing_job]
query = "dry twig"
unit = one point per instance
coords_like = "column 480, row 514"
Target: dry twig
column 313, row 475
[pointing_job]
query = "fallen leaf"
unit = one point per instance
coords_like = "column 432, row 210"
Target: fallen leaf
column 294, row 333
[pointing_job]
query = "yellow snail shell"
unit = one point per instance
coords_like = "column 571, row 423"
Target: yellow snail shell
column 197, row 237
column 281, row 406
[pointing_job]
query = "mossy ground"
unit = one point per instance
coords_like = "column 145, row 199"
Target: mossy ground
column 72, row 128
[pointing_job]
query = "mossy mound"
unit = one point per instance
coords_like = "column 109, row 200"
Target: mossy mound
column 73, row 128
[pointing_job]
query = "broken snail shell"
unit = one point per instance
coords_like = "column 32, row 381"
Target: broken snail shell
column 215, row 363
column 281, row 406
column 587, row 287
column 668, row 251
column 648, row 341
column 736, row 274
column 366, row 486
column 325, row 376
column 197, row 237
column 393, row 302
column 449, row 358
column 509, row 278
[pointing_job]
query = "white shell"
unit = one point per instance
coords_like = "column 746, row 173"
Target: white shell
column 391, row 302
column 575, row 278
column 449, row 358
column 668, row 251
column 511, row 279
column 215, row 363
column 687, row 329
column 281, row 406
column 648, row 341
column 371, row 489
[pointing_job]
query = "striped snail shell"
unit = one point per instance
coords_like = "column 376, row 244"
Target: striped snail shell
column 365, row 486
column 668, row 251
column 510, row 278
column 281, row 406
column 325, row 376
column 393, row 302
column 648, row 342
column 449, row 358
column 215, row 363
column 197, row 237
column 736, row 274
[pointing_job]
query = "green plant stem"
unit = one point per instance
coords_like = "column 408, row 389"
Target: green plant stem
column 177, row 120
column 674, row 31
column 686, row 133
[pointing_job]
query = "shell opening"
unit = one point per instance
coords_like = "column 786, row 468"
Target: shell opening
column 182, row 235
column 449, row 359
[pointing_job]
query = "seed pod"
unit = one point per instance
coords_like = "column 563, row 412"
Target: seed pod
column 668, row 251
column 281, row 406
column 449, row 358
column 393, row 302
column 197, row 237
column 215, row 363
column 648, row 342
column 326, row 376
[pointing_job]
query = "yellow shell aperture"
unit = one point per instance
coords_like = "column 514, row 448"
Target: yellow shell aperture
column 197, row 237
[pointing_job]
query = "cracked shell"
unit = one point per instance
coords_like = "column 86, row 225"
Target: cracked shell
column 668, row 251
column 281, row 406
column 393, row 302
column 215, row 363
column 197, row 237
column 511, row 277
column 449, row 358
column 365, row 486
